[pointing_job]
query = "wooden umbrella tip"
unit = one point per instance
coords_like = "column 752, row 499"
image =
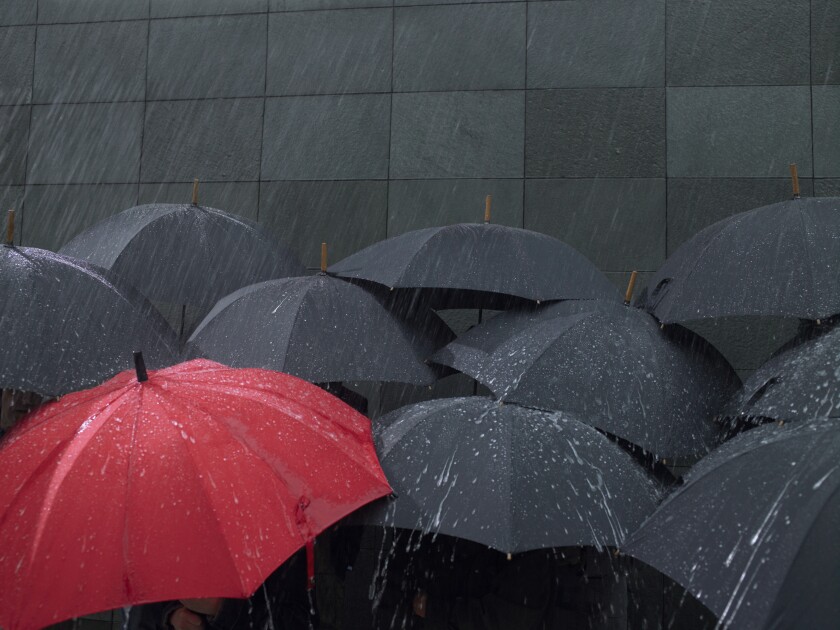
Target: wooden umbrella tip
column 628, row 295
column 323, row 257
column 794, row 177
column 488, row 201
column 10, row 228
column 195, row 192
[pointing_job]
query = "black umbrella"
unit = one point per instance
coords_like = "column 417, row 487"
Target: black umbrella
column 610, row 365
column 753, row 533
column 801, row 382
column 321, row 329
column 508, row 477
column 67, row 325
column 779, row 260
column 478, row 266
column 184, row 254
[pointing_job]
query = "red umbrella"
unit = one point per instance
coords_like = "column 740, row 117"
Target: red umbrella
column 198, row 482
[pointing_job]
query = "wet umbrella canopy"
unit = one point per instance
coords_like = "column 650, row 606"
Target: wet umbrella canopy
column 753, row 533
column 321, row 329
column 779, row 260
column 184, row 254
column 197, row 482
column 511, row 478
column 66, row 325
column 801, row 383
column 478, row 266
column 609, row 365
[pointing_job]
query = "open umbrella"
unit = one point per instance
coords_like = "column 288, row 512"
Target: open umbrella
column 184, row 253
column 778, row 260
column 66, row 325
column 609, row 365
column 321, row 329
column 753, row 533
column 197, row 482
column 478, row 266
column 802, row 382
column 511, row 478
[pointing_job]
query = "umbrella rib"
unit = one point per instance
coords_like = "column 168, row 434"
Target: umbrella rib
column 416, row 255
column 810, row 266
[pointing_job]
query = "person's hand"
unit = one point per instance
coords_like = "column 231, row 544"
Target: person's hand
column 185, row 619
column 206, row 606
column 420, row 600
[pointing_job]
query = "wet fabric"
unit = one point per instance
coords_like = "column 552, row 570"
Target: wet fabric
column 66, row 324
column 198, row 482
column 610, row 365
column 321, row 329
column 753, row 532
column 768, row 261
column 184, row 254
column 478, row 266
column 511, row 478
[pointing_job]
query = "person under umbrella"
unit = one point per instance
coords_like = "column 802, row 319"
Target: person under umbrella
column 469, row 265
column 753, row 532
column 608, row 364
column 192, row 482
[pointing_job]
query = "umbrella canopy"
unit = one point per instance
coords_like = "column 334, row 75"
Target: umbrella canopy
column 66, row 325
column 610, row 365
column 198, row 482
column 184, row 253
column 321, row 329
column 753, row 533
column 478, row 265
column 800, row 383
column 511, row 478
column 778, row 260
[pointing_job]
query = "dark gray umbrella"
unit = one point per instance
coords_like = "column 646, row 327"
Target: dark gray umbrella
column 321, row 329
column 508, row 477
column 610, row 365
column 800, row 383
column 184, row 254
column 779, row 260
column 753, row 533
column 67, row 325
column 478, row 266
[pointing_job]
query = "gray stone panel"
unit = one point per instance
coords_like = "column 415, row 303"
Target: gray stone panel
column 827, row 187
column 596, row 44
column 326, row 137
column 827, row 130
column 596, row 132
column 14, row 129
column 469, row 47
column 57, row 11
column 11, row 198
column 738, row 131
column 416, row 204
column 55, row 214
column 348, row 216
column 85, row 144
column 207, row 57
column 213, row 140
column 749, row 42
column 616, row 223
column 405, row 3
column 240, row 198
column 187, row 8
column 17, row 50
column 91, row 62
column 694, row 204
column 457, row 134
column 825, row 42
column 313, row 5
column 329, row 52
column 13, row 12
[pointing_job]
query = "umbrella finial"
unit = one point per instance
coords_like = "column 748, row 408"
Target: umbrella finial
column 487, row 201
column 794, row 176
column 195, row 192
column 323, row 257
column 630, row 286
column 10, row 228
column 140, row 367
